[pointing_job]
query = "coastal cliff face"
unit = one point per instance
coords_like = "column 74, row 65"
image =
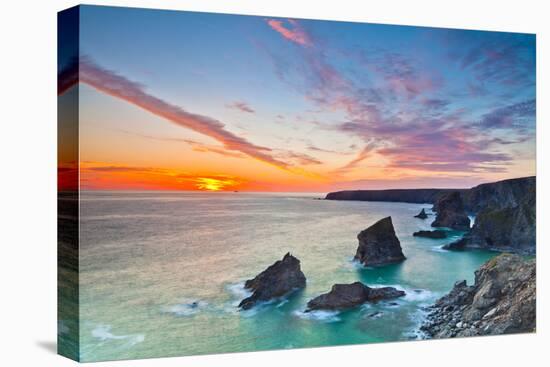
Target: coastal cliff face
column 502, row 300
column 451, row 212
column 505, row 212
column 378, row 245
column 507, row 225
column 499, row 195
column 418, row 196
column 278, row 280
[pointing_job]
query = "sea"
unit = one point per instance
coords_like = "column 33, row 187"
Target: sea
column 162, row 273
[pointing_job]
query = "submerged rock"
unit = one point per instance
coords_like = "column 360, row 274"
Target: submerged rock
column 378, row 245
column 501, row 301
column 278, row 280
column 346, row 296
column 451, row 213
column 436, row 234
column 422, row 214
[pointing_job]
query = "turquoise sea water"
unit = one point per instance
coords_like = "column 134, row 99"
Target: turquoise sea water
column 147, row 257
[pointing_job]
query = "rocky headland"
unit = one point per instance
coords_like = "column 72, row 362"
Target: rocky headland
column 502, row 300
column 346, row 296
column 505, row 212
column 278, row 280
column 378, row 245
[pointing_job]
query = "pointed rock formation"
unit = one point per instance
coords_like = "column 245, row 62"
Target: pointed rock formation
column 451, row 213
column 346, row 296
column 422, row 214
column 278, row 280
column 378, row 245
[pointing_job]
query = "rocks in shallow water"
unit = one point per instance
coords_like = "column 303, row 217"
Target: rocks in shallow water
column 437, row 234
column 501, row 301
column 422, row 214
column 378, row 245
column 451, row 213
column 457, row 245
column 278, row 280
column 346, row 296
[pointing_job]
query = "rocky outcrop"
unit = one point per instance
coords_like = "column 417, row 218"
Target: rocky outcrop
column 498, row 195
column 346, row 296
column 511, row 229
column 502, row 300
column 437, row 234
column 451, row 212
column 422, row 214
column 378, row 245
column 278, row 280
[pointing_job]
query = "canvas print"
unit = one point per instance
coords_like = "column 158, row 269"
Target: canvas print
column 234, row 183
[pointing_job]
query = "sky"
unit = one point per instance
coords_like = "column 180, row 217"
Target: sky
column 172, row 100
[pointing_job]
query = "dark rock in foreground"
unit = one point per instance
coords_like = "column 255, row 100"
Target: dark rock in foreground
column 451, row 212
column 378, row 245
column 346, row 296
column 437, row 234
column 422, row 214
column 457, row 245
column 278, row 280
column 501, row 301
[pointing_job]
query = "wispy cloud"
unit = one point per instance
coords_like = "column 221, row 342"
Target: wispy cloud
column 120, row 87
column 509, row 116
column 400, row 109
column 241, row 106
column 295, row 33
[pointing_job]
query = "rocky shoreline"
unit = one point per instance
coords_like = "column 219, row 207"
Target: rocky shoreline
column 502, row 300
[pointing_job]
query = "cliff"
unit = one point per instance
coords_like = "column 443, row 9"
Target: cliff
column 502, row 300
column 500, row 194
column 418, row 196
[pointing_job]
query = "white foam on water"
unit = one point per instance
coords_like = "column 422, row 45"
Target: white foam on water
column 104, row 334
column 439, row 249
column 187, row 307
column 318, row 315
column 238, row 292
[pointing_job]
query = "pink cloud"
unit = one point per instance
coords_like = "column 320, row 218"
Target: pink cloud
column 242, row 106
column 118, row 86
column 296, row 34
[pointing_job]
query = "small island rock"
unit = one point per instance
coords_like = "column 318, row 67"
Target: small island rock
column 422, row 214
column 346, row 296
column 278, row 280
column 378, row 245
column 437, row 234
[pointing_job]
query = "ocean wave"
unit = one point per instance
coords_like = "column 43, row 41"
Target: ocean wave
column 104, row 334
column 187, row 307
column 319, row 315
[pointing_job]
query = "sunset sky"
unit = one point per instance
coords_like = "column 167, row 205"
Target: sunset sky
column 197, row 101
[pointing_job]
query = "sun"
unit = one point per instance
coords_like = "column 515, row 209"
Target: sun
column 214, row 184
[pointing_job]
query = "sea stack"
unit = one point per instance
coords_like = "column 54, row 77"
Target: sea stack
column 378, row 245
column 422, row 214
column 346, row 296
column 451, row 213
column 278, row 280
